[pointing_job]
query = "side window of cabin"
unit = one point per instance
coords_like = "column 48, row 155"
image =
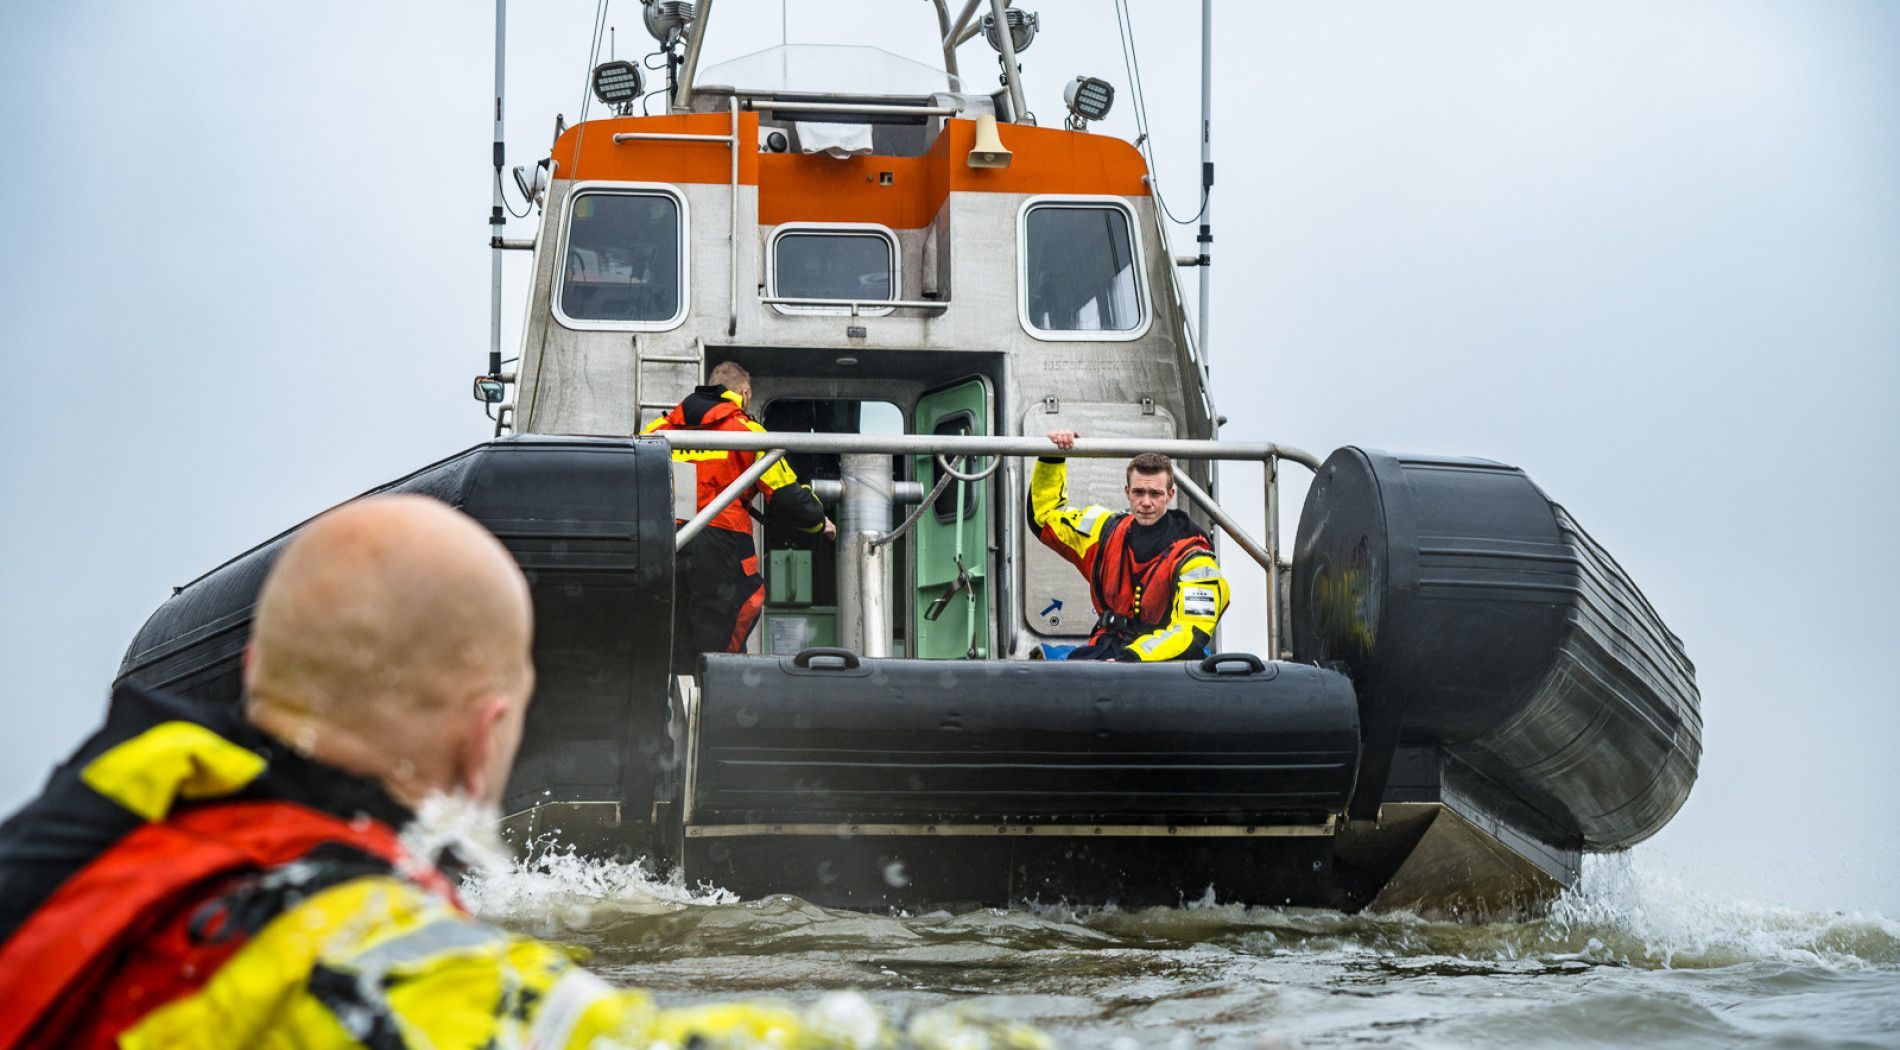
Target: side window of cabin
column 623, row 259
column 810, row 263
column 1079, row 270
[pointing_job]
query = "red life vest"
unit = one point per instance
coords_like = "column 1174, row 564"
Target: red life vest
column 113, row 943
column 1134, row 597
column 713, row 471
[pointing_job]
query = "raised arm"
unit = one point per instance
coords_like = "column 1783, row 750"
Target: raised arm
column 1069, row 531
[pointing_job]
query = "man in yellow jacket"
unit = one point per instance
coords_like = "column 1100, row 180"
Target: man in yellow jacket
column 1157, row 590
column 207, row 876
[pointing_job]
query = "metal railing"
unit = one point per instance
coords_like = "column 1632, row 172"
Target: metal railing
column 731, row 142
column 880, row 108
column 858, row 307
column 1268, row 454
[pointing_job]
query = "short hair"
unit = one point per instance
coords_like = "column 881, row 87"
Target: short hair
column 730, row 376
column 1150, row 463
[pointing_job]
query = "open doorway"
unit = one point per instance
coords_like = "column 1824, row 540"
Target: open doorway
column 801, row 569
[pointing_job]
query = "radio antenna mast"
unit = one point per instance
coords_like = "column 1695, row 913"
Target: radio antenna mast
column 1205, row 237
column 496, row 218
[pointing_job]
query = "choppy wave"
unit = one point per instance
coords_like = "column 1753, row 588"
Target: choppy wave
column 1632, row 955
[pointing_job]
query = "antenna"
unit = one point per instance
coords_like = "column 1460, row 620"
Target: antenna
column 496, row 219
column 1206, row 236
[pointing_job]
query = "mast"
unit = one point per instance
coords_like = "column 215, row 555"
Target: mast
column 496, row 218
column 1206, row 238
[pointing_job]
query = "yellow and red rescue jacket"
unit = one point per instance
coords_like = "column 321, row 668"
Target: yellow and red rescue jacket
column 186, row 881
column 1159, row 603
column 716, row 408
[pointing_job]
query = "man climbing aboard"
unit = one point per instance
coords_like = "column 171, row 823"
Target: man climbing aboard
column 1152, row 576
column 720, row 591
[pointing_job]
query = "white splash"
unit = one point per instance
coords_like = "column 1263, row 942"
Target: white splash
column 460, row 823
column 568, row 885
column 1626, row 911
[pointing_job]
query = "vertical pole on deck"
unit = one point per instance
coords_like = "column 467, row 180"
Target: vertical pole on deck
column 683, row 99
column 1205, row 238
column 1012, row 73
column 496, row 219
column 1274, row 627
column 1205, row 241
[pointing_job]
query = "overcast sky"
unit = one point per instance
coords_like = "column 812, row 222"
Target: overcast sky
column 1648, row 251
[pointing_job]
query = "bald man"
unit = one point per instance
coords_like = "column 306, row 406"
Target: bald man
column 208, row 877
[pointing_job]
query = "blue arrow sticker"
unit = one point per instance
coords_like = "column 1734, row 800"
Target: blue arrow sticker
column 1055, row 604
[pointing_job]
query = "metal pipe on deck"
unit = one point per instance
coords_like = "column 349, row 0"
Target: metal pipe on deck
column 864, row 514
column 1276, row 629
column 979, row 445
column 874, row 595
column 954, row 35
column 1267, row 556
column 971, row 29
column 1225, row 520
column 829, row 491
column 943, row 30
column 892, row 109
column 682, row 101
column 1012, row 74
column 740, row 485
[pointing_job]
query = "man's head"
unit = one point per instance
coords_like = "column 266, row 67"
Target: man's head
column 392, row 640
column 733, row 378
column 1150, row 487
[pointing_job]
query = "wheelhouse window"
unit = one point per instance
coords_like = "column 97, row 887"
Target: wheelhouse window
column 1079, row 271
column 842, row 264
column 623, row 262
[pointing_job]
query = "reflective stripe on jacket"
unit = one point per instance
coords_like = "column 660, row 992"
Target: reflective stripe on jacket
column 1171, row 603
column 716, row 408
column 188, row 910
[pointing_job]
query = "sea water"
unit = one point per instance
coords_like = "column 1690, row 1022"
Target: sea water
column 1628, row 958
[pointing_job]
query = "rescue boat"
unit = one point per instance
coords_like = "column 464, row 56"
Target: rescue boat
column 1456, row 694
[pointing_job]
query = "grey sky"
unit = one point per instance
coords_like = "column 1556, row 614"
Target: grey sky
column 1649, row 252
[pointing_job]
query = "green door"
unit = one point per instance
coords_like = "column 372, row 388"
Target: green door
column 951, row 603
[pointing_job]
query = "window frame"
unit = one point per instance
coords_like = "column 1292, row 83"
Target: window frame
column 1139, row 263
column 558, row 278
column 834, row 229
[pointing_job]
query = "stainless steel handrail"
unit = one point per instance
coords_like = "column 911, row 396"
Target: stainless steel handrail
column 852, row 107
column 1268, row 454
column 731, row 142
column 858, row 306
column 740, row 485
column 980, row 445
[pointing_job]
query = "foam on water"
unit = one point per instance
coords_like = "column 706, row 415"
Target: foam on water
column 1663, row 955
column 1622, row 913
column 1626, row 912
column 561, row 894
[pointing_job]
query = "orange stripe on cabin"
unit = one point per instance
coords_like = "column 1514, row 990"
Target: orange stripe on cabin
column 587, row 151
column 796, row 187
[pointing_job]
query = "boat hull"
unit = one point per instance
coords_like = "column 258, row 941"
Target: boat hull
column 1414, row 772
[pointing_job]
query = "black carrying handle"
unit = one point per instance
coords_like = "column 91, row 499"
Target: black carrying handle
column 806, row 656
column 1213, row 664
